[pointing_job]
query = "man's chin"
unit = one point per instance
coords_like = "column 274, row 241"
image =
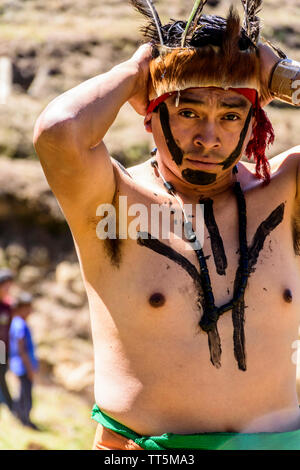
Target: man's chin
column 199, row 177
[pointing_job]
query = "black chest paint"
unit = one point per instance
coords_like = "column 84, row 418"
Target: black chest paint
column 205, row 298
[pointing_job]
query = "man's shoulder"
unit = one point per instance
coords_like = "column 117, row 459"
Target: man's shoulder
column 285, row 160
column 140, row 169
column 134, row 172
column 290, row 156
column 283, row 167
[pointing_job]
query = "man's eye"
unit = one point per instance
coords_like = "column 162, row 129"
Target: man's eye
column 231, row 117
column 188, row 114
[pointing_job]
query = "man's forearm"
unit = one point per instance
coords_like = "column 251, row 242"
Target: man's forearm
column 285, row 81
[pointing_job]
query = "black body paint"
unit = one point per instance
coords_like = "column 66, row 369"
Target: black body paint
column 145, row 239
column 214, row 344
column 238, row 320
column 216, row 241
column 265, row 228
column 238, row 311
column 205, row 302
column 157, row 300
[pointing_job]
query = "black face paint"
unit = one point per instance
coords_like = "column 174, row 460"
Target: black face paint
column 236, row 153
column 216, row 241
column 175, row 151
column 198, row 177
column 195, row 176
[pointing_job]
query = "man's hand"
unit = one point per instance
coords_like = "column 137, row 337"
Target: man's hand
column 268, row 59
column 141, row 59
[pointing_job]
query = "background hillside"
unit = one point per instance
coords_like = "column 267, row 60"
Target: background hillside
column 47, row 47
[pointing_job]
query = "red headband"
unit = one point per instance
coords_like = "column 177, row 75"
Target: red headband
column 249, row 93
column 263, row 133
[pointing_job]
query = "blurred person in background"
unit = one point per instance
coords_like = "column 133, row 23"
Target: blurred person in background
column 6, row 280
column 22, row 359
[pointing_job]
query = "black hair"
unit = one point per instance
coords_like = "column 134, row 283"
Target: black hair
column 209, row 31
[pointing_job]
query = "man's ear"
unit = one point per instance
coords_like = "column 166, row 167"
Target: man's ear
column 148, row 123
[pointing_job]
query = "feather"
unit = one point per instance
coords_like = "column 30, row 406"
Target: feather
column 251, row 21
column 193, row 19
column 147, row 9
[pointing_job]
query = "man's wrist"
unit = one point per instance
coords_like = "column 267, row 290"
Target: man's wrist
column 283, row 81
column 130, row 73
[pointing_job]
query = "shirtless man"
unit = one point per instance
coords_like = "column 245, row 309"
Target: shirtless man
column 155, row 371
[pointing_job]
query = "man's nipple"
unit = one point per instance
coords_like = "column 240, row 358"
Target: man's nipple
column 288, row 296
column 157, row 300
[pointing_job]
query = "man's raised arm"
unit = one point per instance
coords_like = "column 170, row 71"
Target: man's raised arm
column 68, row 134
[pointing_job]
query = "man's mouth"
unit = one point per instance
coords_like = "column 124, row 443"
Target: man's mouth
column 203, row 163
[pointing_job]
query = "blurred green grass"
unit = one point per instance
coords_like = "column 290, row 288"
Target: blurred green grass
column 63, row 419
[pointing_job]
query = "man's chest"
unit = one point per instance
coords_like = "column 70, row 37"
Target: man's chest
column 262, row 262
column 257, row 232
column 246, row 263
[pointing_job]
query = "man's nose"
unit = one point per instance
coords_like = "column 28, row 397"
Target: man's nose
column 207, row 137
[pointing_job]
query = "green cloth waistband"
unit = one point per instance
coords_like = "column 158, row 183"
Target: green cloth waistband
column 207, row 441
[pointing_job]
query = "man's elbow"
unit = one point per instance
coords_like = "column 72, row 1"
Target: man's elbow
column 51, row 130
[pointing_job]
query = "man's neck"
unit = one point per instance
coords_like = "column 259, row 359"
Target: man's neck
column 192, row 191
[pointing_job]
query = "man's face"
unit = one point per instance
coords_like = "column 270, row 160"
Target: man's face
column 202, row 138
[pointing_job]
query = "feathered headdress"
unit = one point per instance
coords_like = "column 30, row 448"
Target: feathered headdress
column 210, row 51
